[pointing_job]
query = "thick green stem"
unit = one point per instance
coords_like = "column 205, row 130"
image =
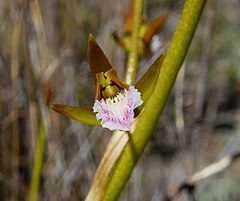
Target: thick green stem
column 174, row 58
column 133, row 55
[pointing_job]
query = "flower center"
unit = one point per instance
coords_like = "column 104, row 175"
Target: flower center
column 117, row 104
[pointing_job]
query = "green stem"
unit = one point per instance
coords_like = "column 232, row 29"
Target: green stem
column 33, row 192
column 149, row 117
column 133, row 55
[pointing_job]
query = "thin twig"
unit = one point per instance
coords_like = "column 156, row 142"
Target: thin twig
column 211, row 170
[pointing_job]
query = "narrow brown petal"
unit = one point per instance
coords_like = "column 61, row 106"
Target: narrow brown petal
column 128, row 21
column 154, row 26
column 97, row 60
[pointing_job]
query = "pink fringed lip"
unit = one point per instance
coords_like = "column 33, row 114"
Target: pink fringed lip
column 117, row 113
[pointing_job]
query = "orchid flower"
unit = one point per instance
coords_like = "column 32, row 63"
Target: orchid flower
column 116, row 103
column 117, row 112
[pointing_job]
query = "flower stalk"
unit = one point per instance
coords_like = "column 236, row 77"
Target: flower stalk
column 133, row 55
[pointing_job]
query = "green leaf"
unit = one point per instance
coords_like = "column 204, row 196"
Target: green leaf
column 84, row 115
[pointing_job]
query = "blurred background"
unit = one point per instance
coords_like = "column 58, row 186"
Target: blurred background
column 43, row 60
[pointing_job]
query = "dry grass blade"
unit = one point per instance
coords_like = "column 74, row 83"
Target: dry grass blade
column 105, row 168
column 14, row 114
column 40, row 33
